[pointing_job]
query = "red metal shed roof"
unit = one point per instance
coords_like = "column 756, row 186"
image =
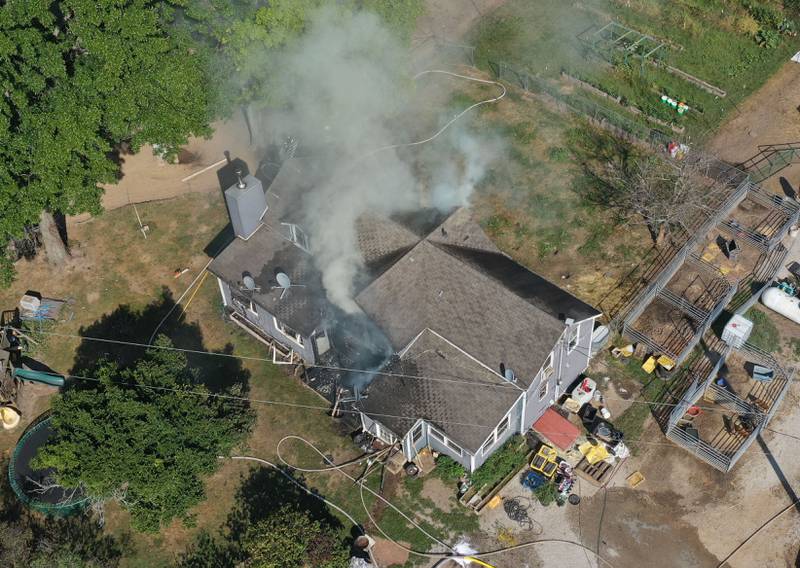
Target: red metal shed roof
column 557, row 429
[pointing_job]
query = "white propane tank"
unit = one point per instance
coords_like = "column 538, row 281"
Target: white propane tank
column 779, row 301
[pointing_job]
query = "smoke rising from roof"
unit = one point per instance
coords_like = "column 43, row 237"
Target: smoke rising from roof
column 349, row 90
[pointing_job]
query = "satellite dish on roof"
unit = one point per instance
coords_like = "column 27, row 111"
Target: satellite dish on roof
column 249, row 283
column 509, row 375
column 284, row 283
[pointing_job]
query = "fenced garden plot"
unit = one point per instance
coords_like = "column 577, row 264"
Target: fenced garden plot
column 700, row 52
column 771, row 159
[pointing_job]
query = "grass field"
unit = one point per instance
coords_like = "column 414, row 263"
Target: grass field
column 712, row 40
column 530, row 201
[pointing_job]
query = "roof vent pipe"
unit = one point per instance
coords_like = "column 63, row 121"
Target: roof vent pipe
column 240, row 184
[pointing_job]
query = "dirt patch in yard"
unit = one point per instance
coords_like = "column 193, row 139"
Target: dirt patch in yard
column 388, row 553
column 634, row 529
column 440, row 493
column 770, row 116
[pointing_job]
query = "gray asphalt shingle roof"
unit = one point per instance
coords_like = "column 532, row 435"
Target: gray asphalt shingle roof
column 264, row 255
column 462, row 294
column 448, row 405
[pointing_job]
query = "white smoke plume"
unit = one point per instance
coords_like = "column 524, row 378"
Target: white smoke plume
column 349, row 89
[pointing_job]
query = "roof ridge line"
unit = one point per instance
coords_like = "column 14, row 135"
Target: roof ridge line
column 443, row 248
column 478, row 361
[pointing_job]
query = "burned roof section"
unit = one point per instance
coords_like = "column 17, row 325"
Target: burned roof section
column 439, row 394
column 263, row 256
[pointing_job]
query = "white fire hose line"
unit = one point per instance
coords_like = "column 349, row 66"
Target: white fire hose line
column 464, row 560
column 361, row 484
column 452, row 120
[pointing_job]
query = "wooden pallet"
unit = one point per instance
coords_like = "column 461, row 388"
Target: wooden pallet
column 599, row 473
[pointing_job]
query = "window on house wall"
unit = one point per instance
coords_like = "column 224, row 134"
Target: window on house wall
column 288, row 332
column 548, row 368
column 384, row 434
column 455, row 447
column 488, row 445
column 574, row 335
column 436, row 435
column 416, row 435
column 503, row 426
column 543, row 390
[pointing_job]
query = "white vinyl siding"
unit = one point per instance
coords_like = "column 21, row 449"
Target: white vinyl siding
column 496, row 434
column 548, row 368
column 574, row 338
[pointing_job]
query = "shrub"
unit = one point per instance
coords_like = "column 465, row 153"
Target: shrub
column 505, row 460
column 546, row 493
column 768, row 39
column 767, row 16
column 448, row 469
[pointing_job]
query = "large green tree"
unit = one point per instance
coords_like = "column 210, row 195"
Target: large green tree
column 143, row 436
column 80, row 78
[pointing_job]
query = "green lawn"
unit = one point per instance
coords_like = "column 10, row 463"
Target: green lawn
column 765, row 334
column 712, row 40
column 530, row 200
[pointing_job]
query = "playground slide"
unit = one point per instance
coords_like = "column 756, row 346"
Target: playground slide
column 39, row 377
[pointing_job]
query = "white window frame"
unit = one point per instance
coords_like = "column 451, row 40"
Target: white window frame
column 414, row 431
column 280, row 327
column 546, row 386
column 501, row 429
column 436, row 435
column 548, row 368
column 252, row 308
column 488, row 445
column 454, row 447
column 504, row 425
column 381, row 432
column 574, row 334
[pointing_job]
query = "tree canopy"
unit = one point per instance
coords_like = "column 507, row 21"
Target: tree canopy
column 147, row 448
column 290, row 538
column 80, row 78
column 245, row 37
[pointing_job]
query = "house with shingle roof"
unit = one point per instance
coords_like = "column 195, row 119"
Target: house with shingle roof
column 477, row 346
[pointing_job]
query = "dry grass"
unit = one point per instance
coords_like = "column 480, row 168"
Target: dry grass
column 117, row 266
column 530, row 201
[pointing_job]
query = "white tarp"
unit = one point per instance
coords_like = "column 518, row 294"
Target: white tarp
column 796, row 57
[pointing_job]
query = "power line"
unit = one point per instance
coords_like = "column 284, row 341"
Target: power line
column 325, row 408
column 456, row 378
